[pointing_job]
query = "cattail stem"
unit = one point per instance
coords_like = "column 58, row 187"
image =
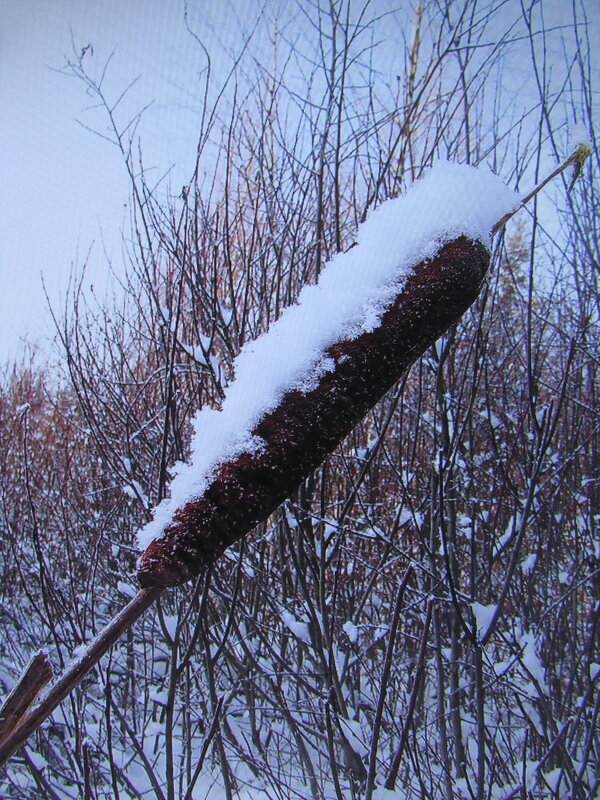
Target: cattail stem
column 577, row 159
column 74, row 674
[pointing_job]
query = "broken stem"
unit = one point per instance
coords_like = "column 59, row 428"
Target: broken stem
column 34, row 677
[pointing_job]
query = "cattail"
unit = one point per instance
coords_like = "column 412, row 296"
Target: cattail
column 306, row 426
column 418, row 264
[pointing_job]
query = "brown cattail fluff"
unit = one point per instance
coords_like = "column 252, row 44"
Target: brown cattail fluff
column 305, row 427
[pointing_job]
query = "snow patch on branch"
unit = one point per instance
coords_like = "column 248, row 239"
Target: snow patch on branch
column 353, row 292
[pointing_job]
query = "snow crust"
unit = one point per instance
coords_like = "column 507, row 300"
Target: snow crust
column 353, row 292
column 531, row 660
column 484, row 615
column 351, row 631
column 299, row 629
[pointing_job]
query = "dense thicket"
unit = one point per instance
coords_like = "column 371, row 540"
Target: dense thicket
column 300, row 665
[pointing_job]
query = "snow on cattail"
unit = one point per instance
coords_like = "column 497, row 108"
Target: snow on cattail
column 418, row 264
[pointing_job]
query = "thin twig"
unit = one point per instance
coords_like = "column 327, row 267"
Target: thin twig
column 387, row 665
column 390, row 783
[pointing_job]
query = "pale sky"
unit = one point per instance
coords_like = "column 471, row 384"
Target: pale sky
column 65, row 190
